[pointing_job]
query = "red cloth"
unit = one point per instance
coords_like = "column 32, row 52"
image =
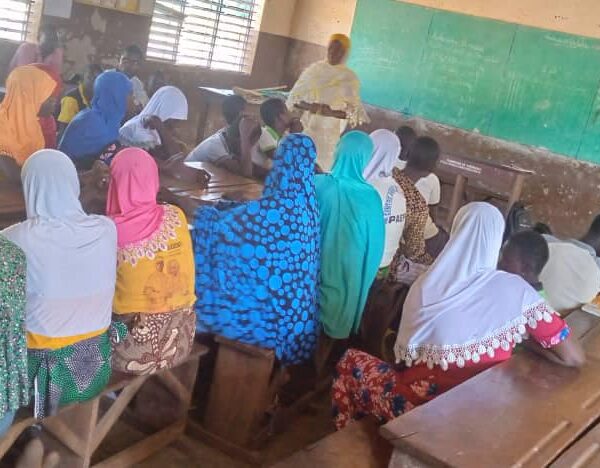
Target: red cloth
column 49, row 129
column 365, row 385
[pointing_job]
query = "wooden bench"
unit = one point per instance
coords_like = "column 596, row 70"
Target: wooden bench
column 356, row 446
column 240, row 395
column 78, row 430
column 523, row 412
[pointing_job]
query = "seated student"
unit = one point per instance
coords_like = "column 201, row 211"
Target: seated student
column 14, row 388
column 525, row 254
column 278, row 121
column 129, row 63
column 47, row 51
column 231, row 147
column 30, row 92
column 572, row 276
column 94, row 133
column 154, row 295
column 407, row 138
column 352, row 236
column 71, row 274
column 461, row 299
column 46, row 116
column 411, row 258
column 79, row 98
column 430, row 188
column 233, row 108
column 379, row 174
column 154, row 128
column 261, row 259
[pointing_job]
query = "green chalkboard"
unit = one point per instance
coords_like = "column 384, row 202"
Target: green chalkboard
column 517, row 83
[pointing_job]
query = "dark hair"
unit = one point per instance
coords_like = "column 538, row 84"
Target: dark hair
column 542, row 228
column 406, row 134
column 594, row 228
column 532, row 249
column 424, row 154
column 233, row 107
column 93, row 69
column 133, row 50
column 271, row 109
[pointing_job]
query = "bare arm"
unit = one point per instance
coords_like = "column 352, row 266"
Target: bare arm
column 568, row 353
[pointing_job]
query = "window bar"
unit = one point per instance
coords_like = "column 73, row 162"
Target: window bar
column 215, row 33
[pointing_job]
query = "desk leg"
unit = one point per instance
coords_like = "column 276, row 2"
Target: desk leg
column 457, row 197
column 517, row 190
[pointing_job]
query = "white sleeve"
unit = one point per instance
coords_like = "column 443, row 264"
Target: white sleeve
column 436, row 190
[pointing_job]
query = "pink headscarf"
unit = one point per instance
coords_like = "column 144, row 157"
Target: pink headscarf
column 131, row 204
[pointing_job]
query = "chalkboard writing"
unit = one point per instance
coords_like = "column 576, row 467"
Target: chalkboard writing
column 513, row 82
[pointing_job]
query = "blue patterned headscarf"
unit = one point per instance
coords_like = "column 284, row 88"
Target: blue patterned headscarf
column 257, row 262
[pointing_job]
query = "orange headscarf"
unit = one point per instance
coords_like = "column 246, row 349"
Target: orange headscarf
column 342, row 39
column 27, row 88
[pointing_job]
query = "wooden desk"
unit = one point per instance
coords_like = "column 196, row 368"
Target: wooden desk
column 585, row 453
column 583, row 324
column 523, row 412
column 474, row 179
column 12, row 204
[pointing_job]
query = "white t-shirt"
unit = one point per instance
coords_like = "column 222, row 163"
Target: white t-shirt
column 431, row 190
column 266, row 143
column 213, row 150
column 394, row 215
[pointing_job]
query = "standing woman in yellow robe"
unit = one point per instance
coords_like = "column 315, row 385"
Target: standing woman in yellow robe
column 328, row 93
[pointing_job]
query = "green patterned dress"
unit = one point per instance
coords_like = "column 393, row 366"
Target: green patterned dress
column 14, row 391
column 73, row 374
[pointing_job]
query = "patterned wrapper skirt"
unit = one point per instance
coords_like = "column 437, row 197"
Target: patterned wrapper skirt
column 72, row 374
column 155, row 341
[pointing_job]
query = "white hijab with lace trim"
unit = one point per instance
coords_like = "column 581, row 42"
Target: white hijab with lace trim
column 463, row 307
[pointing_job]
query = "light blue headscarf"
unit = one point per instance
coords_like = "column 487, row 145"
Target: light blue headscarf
column 93, row 129
column 352, row 236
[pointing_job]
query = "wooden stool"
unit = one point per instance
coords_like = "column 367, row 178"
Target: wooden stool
column 240, row 394
column 78, row 429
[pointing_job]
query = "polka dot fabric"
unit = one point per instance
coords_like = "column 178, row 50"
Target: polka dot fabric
column 257, row 262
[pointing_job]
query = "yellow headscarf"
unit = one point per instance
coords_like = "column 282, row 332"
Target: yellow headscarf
column 27, row 88
column 342, row 39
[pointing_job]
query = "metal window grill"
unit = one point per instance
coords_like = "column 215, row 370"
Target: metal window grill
column 15, row 19
column 214, row 34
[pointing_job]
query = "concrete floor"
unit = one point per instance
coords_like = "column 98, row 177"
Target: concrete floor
column 314, row 424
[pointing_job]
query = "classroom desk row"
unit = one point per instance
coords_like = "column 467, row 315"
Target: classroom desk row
column 223, row 185
column 526, row 412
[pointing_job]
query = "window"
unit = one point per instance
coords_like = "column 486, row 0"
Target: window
column 215, row 34
column 15, row 19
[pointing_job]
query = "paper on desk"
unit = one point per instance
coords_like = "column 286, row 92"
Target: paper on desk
column 193, row 164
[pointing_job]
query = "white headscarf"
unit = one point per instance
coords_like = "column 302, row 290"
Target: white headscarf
column 385, row 155
column 463, row 307
column 71, row 257
column 167, row 103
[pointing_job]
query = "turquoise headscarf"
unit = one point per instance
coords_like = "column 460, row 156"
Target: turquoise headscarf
column 352, row 236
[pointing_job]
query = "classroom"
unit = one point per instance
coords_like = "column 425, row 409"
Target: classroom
column 290, row 233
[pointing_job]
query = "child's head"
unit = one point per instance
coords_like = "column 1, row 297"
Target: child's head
column 525, row 254
column 423, row 156
column 407, row 138
column 233, row 107
column 275, row 114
